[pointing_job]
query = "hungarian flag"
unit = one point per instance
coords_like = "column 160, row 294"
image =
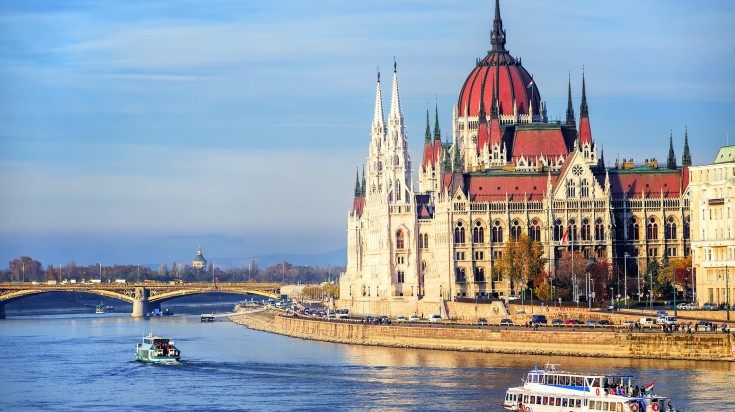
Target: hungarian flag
column 649, row 387
column 564, row 237
column 530, row 84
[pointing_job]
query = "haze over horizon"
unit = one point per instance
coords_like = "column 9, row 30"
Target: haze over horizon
column 134, row 132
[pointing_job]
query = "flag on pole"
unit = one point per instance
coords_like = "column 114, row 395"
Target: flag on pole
column 530, row 84
column 564, row 237
column 649, row 387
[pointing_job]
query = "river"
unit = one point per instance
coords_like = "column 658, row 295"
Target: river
column 85, row 362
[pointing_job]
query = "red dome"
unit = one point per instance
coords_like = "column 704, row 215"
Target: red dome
column 500, row 71
column 512, row 83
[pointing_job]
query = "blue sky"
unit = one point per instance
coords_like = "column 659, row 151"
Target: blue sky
column 135, row 131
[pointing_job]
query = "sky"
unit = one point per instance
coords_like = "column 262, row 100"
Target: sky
column 135, row 131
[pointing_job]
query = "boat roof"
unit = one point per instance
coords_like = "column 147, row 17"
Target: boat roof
column 554, row 369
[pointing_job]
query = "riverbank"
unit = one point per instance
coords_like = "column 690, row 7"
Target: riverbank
column 675, row 346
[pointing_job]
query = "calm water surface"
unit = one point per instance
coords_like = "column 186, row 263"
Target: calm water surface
column 85, row 362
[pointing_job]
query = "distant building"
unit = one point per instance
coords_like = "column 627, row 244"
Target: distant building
column 713, row 227
column 199, row 261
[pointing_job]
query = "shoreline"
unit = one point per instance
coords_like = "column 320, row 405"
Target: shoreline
column 669, row 346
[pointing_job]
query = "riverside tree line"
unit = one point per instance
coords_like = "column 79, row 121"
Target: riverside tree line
column 28, row 269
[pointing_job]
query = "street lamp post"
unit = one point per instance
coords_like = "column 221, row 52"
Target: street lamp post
column 675, row 311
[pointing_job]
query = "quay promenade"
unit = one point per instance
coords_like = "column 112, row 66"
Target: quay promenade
column 493, row 339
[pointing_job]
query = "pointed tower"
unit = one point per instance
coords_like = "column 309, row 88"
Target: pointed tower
column 427, row 135
column 437, row 131
column 497, row 36
column 396, row 159
column 585, row 133
column 374, row 174
column 686, row 158
column 671, row 160
column 358, row 189
column 362, row 188
column 570, row 110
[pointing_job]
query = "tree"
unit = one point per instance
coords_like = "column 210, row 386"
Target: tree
column 522, row 260
column 25, row 268
column 570, row 269
column 674, row 268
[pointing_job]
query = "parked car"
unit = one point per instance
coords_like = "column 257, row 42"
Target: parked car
column 702, row 326
column 414, row 319
column 612, row 308
column 556, row 322
column 682, row 306
column 506, row 322
column 646, row 322
column 628, row 323
column 512, row 298
column 661, row 313
column 482, row 321
column 667, row 320
column 709, row 306
column 604, row 322
column 539, row 320
column 572, row 322
column 401, row 319
column 592, row 323
column 435, row 318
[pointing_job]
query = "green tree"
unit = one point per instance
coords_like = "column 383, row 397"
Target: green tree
column 522, row 260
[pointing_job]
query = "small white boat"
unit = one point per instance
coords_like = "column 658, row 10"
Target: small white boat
column 157, row 349
column 554, row 390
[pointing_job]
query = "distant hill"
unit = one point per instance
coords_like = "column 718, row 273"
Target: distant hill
column 336, row 258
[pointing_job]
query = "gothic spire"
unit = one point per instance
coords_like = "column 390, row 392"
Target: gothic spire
column 686, row 158
column 378, row 121
column 671, row 160
column 396, row 114
column 570, row 109
column 437, row 131
column 497, row 37
column 427, row 136
column 363, row 189
column 583, row 111
column 457, row 165
column 357, row 183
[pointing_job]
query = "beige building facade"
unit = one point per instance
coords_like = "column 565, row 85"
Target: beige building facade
column 713, row 227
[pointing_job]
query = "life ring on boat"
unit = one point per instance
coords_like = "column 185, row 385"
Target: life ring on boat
column 634, row 407
column 523, row 408
column 654, row 407
column 597, row 391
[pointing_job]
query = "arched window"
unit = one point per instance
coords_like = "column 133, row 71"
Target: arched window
column 670, row 228
column 585, row 232
column 515, row 231
column 421, row 241
column 400, row 240
column 478, row 233
column 585, row 188
column 534, row 232
column 425, row 238
column 423, row 266
column 635, row 233
column 599, row 230
column 364, row 291
column 461, row 275
column 686, row 228
column 558, row 230
column 571, row 188
column 479, row 274
column 572, row 230
column 652, row 229
column 401, row 276
column 459, row 233
column 497, row 232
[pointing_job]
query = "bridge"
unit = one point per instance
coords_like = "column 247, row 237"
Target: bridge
column 144, row 295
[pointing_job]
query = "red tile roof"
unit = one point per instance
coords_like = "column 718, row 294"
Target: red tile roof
column 585, row 133
column 432, row 154
column 632, row 183
column 534, row 143
column 358, row 205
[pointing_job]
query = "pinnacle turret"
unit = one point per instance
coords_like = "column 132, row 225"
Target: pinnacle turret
column 358, row 190
column 437, row 131
column 671, row 160
column 686, row 158
column 583, row 110
column 427, row 136
column 378, row 118
column 396, row 113
column 570, row 109
column 497, row 37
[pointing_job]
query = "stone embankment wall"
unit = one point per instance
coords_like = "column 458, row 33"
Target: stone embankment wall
column 496, row 340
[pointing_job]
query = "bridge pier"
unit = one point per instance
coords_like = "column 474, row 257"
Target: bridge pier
column 140, row 303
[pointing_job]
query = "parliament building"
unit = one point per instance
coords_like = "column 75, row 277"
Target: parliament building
column 508, row 171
